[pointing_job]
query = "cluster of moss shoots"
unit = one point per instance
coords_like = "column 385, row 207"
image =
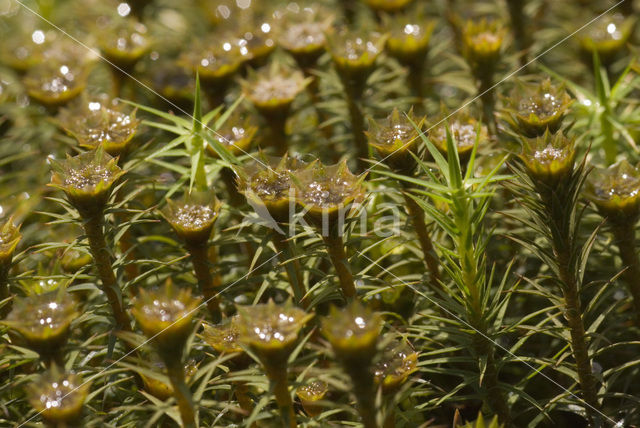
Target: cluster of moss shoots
column 323, row 321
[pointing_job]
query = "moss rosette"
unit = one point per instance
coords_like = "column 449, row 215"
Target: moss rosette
column 87, row 179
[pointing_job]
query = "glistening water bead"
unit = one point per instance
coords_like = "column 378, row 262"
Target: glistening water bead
column 194, row 216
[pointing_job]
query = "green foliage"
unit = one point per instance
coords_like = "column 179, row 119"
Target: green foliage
column 477, row 273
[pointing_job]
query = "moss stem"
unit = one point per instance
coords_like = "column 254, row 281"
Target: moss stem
column 625, row 240
column 181, row 392
column 291, row 265
column 208, row 283
column 416, row 215
column 365, row 392
column 280, row 388
column 357, row 130
column 4, row 287
column 561, row 244
column 102, row 259
column 335, row 247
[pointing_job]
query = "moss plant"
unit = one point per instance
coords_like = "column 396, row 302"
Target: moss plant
column 267, row 186
column 615, row 191
column 326, row 194
column 9, row 239
column 272, row 92
column 165, row 316
column 193, row 220
column 354, row 54
column 271, row 332
column 88, row 180
column 59, row 397
column 482, row 43
column 43, row 323
column 397, row 140
column 549, row 163
column 353, row 334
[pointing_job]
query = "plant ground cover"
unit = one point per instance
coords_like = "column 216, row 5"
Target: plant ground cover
column 377, row 213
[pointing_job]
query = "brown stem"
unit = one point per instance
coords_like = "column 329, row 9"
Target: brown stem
column 487, row 96
column 181, row 392
column 280, row 388
column 208, row 283
column 357, row 130
column 495, row 396
column 335, row 248
column 570, row 289
column 242, row 395
column 291, row 265
column 573, row 315
column 4, row 287
column 229, row 178
column 416, row 215
column 626, row 242
column 126, row 247
column 519, row 28
column 102, row 259
column 365, row 392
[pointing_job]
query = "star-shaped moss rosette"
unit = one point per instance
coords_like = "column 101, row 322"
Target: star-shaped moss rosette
column 607, row 36
column 302, row 33
column 216, row 60
column 58, row 396
column 258, row 38
column 193, row 217
column 482, row 43
column 397, row 362
column 310, row 394
column 532, row 108
column 223, row 338
column 164, row 315
column 43, row 321
column 56, row 83
column 353, row 333
column 354, row 53
column 87, row 179
column 273, row 89
column 616, row 191
column 271, row 331
column 549, row 158
column 236, row 134
column 465, row 131
column 124, row 41
column 22, row 51
column 327, row 193
column 395, row 138
column 409, row 36
column 266, row 184
column 9, row 238
column 387, row 5
column 100, row 123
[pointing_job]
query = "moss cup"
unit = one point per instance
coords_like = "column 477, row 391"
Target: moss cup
column 87, row 179
column 616, row 192
column 43, row 321
column 165, row 316
column 550, row 158
column 58, row 397
column 267, row 186
column 397, row 139
column 100, row 122
column 194, row 217
column 327, row 193
column 533, row 108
